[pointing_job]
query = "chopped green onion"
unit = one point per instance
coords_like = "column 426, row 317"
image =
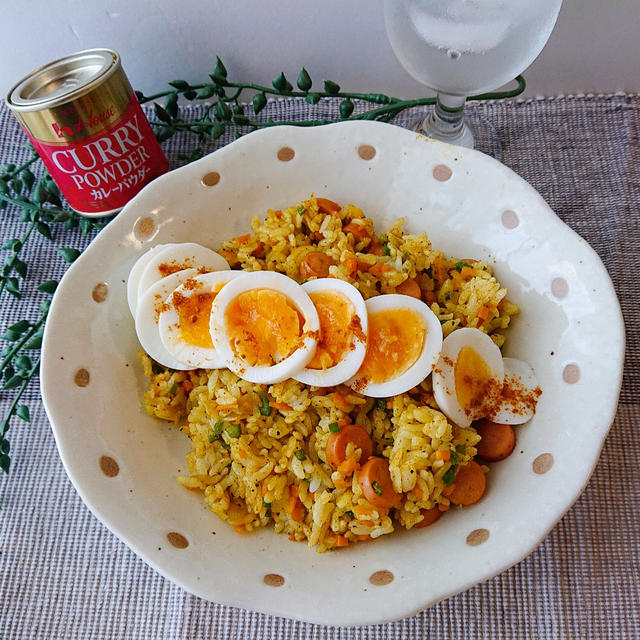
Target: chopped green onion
column 450, row 476
column 300, row 454
column 386, row 250
column 460, row 264
column 305, row 280
column 265, row 409
column 306, row 480
column 233, row 430
column 301, row 208
column 461, row 448
column 334, row 427
column 382, row 403
column 266, row 505
column 226, row 446
column 173, row 388
column 454, row 457
column 350, row 514
column 377, row 488
column 156, row 368
column 217, row 431
column 447, row 296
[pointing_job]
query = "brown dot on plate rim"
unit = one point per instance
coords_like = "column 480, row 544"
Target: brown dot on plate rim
column 442, row 173
column 542, row 463
column 145, row 227
column 285, row 154
column 477, row 537
column 211, row 179
column 273, row 580
column 510, row 219
column 81, row 378
column 100, row 292
column 571, row 374
column 380, row 578
column 109, row 466
column 177, row 540
column 559, row 287
column 367, row 152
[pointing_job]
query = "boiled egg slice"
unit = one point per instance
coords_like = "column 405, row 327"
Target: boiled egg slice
column 136, row 272
column 342, row 343
column 520, row 393
column 184, row 322
column 176, row 257
column 150, row 306
column 264, row 326
column 467, row 380
column 404, row 339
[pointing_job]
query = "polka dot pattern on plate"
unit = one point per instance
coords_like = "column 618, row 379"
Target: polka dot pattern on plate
column 510, row 219
column 81, row 378
column 109, row 466
column 273, row 580
column 571, row 373
column 366, row 152
column 210, row 179
column 559, row 287
column 177, row 540
column 477, row 537
column 285, row 154
column 144, row 227
column 100, row 292
column 442, row 173
column 380, row 578
column 542, row 463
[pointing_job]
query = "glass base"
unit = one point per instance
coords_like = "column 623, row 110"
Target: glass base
column 462, row 136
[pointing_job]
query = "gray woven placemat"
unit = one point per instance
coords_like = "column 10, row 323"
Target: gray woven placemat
column 63, row 575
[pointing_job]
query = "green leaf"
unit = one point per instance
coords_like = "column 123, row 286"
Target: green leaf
column 161, row 113
column 280, row 83
column 222, row 111
column 8, row 372
column 217, row 130
column 45, row 306
column 13, row 382
column 240, row 119
column 24, row 363
column 171, row 104
column 220, row 69
column 3, row 186
column 190, row 95
column 12, row 286
column 16, row 185
column 140, row 96
column 28, row 179
column 23, row 412
column 20, row 327
column 5, row 462
column 259, row 102
column 4, row 446
column 85, row 226
column 205, row 92
column 304, row 80
column 218, row 80
column 11, row 336
column 69, row 254
column 165, row 133
column 20, row 267
column 181, row 85
column 331, row 88
column 44, row 229
column 48, row 287
column 346, row 108
column 12, row 245
column 312, row 98
column 40, row 194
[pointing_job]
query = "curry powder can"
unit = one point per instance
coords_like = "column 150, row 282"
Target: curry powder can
column 84, row 120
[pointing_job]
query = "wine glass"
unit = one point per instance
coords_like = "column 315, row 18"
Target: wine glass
column 462, row 48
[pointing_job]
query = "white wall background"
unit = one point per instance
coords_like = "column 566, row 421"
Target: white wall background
column 595, row 46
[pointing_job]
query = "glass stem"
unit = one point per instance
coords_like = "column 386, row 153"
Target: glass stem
column 447, row 116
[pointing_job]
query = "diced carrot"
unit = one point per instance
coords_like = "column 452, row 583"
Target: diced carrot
column 278, row 214
column 341, row 541
column 376, row 484
column 316, row 263
column 259, row 251
column 430, row 297
column 243, row 239
column 497, row 440
column 240, row 528
column 187, row 385
column 443, row 454
column 443, row 507
column 350, row 263
column 363, row 266
column 389, row 403
column 359, row 231
column 275, row 516
column 366, row 523
column 483, row 312
column 339, row 399
column 336, row 448
column 376, row 248
column 469, row 485
column 379, row 268
column 294, row 490
column 340, row 484
column 409, row 288
column 361, row 510
column 327, row 206
column 346, row 467
column 467, row 272
column 439, row 272
column 429, row 516
column 417, row 491
column 362, row 538
column 229, row 256
column 281, row 406
column 242, row 453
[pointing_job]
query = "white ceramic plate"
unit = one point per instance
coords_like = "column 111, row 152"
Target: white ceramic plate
column 123, row 463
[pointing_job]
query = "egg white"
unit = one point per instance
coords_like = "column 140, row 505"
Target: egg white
column 296, row 294
column 427, row 359
column 352, row 359
column 169, row 322
column 444, row 385
column 148, row 313
column 187, row 255
column 136, row 272
column 516, row 412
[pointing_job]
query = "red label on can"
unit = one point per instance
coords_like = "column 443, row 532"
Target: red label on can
column 101, row 173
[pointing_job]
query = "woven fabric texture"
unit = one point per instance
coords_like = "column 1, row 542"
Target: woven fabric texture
column 63, row 575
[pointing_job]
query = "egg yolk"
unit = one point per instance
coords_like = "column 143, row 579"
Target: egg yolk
column 335, row 313
column 473, row 379
column 396, row 338
column 263, row 326
column 193, row 318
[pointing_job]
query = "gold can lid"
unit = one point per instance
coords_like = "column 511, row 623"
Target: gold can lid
column 63, row 80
